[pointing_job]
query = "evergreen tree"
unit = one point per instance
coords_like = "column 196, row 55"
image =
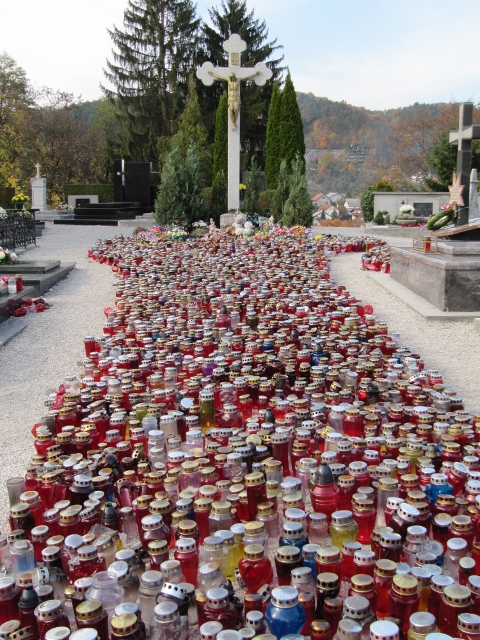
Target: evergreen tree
column 251, row 204
column 192, row 131
column 273, row 142
column 193, row 200
column 220, row 146
column 443, row 161
column 298, row 207
column 281, row 192
column 169, row 205
column 233, row 17
column 152, row 58
column 292, row 139
column 219, row 196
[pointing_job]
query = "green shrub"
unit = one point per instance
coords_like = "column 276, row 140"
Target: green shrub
column 207, row 195
column 378, row 219
column 103, row 191
column 266, row 198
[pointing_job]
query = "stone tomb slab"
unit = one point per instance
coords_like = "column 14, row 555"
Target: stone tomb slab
column 449, row 281
column 36, row 266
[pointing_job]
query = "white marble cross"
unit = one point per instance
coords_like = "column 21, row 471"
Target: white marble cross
column 233, row 75
column 37, row 166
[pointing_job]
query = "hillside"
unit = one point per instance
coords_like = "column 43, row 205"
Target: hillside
column 332, row 127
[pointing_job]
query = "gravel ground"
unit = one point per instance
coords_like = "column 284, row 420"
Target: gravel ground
column 37, row 360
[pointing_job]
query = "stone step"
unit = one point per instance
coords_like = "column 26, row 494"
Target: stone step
column 93, row 221
column 34, row 286
column 9, row 303
column 42, row 282
column 35, row 266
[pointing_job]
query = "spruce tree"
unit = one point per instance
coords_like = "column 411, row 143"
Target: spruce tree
column 281, row 192
column 219, row 196
column 152, row 58
column 169, row 205
column 233, row 16
column 193, row 200
column 251, row 204
column 220, row 145
column 192, row 131
column 273, row 142
column 298, row 207
column 292, row 138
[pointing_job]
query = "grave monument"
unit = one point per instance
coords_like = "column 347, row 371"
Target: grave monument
column 133, row 196
column 233, row 75
column 39, row 191
column 450, row 279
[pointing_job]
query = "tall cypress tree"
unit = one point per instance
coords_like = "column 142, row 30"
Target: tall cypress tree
column 273, row 141
column 219, row 196
column 291, row 128
column 232, row 16
column 152, row 58
column 251, row 203
column 193, row 200
column 220, row 145
column 281, row 192
column 192, row 131
column 298, row 208
column 169, row 205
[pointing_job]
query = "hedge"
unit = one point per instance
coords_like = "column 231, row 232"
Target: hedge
column 6, row 195
column 103, row 191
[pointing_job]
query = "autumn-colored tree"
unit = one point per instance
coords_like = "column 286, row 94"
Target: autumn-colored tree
column 58, row 136
column 414, row 133
column 15, row 98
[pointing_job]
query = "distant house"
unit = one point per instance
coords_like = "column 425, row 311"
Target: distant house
column 352, row 203
column 334, row 197
column 320, row 199
column 328, row 210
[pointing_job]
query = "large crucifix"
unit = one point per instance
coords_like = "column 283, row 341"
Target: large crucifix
column 233, row 75
column 467, row 131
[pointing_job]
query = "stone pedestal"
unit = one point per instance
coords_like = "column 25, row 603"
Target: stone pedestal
column 449, row 279
column 226, row 219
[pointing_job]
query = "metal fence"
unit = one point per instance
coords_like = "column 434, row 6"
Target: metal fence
column 17, row 229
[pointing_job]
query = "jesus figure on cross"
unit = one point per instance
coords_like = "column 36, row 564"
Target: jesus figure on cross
column 233, row 93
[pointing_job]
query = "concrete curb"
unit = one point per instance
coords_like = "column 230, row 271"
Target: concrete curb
column 11, row 328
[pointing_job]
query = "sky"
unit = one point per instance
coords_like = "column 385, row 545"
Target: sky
column 378, row 54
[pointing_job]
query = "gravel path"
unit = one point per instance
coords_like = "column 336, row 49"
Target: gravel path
column 36, row 361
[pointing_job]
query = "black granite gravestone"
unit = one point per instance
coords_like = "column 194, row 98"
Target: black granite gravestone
column 132, row 189
column 138, row 182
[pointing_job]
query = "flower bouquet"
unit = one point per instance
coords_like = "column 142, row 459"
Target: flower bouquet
column 7, row 256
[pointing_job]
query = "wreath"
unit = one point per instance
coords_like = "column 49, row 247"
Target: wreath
column 442, row 218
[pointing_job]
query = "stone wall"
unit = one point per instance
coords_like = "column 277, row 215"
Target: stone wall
column 392, row 201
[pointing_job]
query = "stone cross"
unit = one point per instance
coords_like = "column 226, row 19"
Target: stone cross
column 233, row 75
column 37, row 166
column 467, row 131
